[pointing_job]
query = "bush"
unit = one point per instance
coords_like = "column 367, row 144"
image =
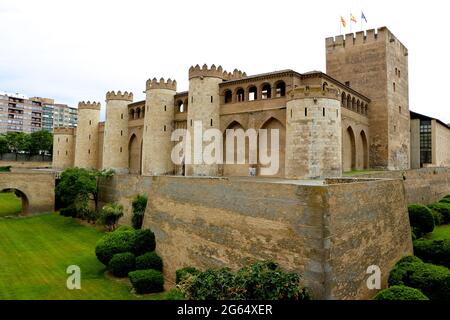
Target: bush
column 149, row 260
column 122, row 263
column 110, row 215
column 144, row 242
column 443, row 209
column 139, row 204
column 400, row 293
column 421, row 217
column 147, row 281
column 437, row 217
column 260, row 281
column 433, row 251
column 68, row 212
column 181, row 274
column 175, row 294
column 445, row 199
column 114, row 242
column 124, row 228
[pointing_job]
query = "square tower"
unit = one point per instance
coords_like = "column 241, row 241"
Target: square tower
column 376, row 64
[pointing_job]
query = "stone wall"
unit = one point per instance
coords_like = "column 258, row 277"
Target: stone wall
column 311, row 229
column 441, row 144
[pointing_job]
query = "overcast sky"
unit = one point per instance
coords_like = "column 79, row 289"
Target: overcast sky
column 75, row 50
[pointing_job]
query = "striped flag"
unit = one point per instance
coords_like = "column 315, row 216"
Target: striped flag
column 344, row 23
column 352, row 18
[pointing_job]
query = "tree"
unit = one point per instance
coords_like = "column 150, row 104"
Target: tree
column 3, row 144
column 18, row 142
column 139, row 204
column 110, row 215
column 40, row 142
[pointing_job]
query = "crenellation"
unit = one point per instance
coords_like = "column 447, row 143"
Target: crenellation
column 214, row 72
column 161, row 84
column 126, row 96
column 89, row 105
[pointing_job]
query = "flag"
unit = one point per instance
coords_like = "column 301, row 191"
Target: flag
column 344, row 23
column 363, row 17
column 352, row 18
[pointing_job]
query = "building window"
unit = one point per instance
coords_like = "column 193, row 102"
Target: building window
column 393, row 86
column 121, row 116
column 165, row 128
column 120, row 149
column 121, row 133
column 252, row 93
column 165, row 108
column 211, row 123
column 425, row 142
column 89, row 151
column 228, row 96
column 90, row 122
column 280, row 89
column 212, row 99
column 306, row 112
column 323, row 112
column 399, row 109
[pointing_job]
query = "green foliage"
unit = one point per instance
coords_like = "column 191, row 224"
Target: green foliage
column 40, row 141
column 32, row 143
column 445, row 199
column 421, row 217
column 145, row 242
column 139, row 204
column 443, row 209
column 17, row 141
column 114, row 242
column 122, row 263
column 3, row 144
column 68, row 212
column 147, row 281
column 259, row 281
column 75, row 186
column 432, row 280
column 5, row 169
column 433, row 251
column 149, row 260
column 110, row 215
column 400, row 293
column 183, row 273
column 124, row 228
column 175, row 294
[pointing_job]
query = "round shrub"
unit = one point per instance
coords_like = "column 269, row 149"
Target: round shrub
column 433, row 251
column 144, row 242
column 114, row 242
column 147, row 281
column 124, row 228
column 399, row 275
column 400, row 293
column 421, row 217
column 181, row 274
column 149, row 260
column 443, row 209
column 122, row 263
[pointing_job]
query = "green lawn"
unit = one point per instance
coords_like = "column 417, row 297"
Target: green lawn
column 35, row 252
column 440, row 233
column 10, row 205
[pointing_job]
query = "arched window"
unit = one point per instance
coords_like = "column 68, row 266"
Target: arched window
column 180, row 106
column 228, row 95
column 240, row 95
column 349, row 102
column 343, row 99
column 353, row 104
column 358, row 104
column 280, row 89
column 252, row 93
column 131, row 114
column 266, row 91
column 324, row 86
column 138, row 113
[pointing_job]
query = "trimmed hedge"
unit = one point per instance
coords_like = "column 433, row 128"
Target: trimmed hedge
column 149, row 260
column 147, row 281
column 181, row 274
column 122, row 263
column 400, row 293
column 433, row 251
column 144, row 242
column 421, row 217
column 114, row 242
column 443, row 209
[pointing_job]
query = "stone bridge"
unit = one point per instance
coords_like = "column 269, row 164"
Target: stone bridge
column 37, row 189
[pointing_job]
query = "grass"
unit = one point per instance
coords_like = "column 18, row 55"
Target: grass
column 36, row 251
column 439, row 233
column 10, row 204
column 359, row 172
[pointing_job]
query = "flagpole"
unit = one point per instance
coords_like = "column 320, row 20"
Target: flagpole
column 351, row 23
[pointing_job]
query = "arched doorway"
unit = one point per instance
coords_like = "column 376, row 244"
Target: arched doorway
column 235, row 168
column 134, row 155
column 349, row 150
column 365, row 150
column 13, row 202
column 269, row 125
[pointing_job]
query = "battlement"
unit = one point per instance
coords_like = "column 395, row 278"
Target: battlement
column 63, row 130
column 361, row 37
column 89, row 105
column 214, row 72
column 126, row 96
column 161, row 84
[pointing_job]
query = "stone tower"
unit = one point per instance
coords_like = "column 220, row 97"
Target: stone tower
column 115, row 143
column 158, row 127
column 376, row 64
column 63, row 148
column 313, row 133
column 86, row 145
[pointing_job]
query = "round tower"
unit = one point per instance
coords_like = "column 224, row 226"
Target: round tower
column 86, row 145
column 158, row 127
column 313, row 133
column 63, row 148
column 204, row 113
column 115, row 143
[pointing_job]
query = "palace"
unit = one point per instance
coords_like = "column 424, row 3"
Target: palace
column 353, row 117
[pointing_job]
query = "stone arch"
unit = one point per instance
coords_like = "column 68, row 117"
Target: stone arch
column 349, row 102
column 358, row 105
column 343, row 99
column 180, row 106
column 138, row 112
column 252, row 93
column 134, row 155
column 271, row 124
column 132, row 112
column 266, row 91
column 353, row 104
column 240, row 94
column 227, row 96
column 365, row 149
column 349, row 150
column 280, row 89
column 25, row 201
column 235, row 169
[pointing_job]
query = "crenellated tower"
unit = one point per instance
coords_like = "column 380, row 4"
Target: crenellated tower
column 313, row 133
column 63, row 148
column 86, row 145
column 204, row 111
column 158, row 127
column 115, row 145
column 375, row 63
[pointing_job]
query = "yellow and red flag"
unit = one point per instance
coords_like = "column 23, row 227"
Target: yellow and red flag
column 352, row 18
column 344, row 23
